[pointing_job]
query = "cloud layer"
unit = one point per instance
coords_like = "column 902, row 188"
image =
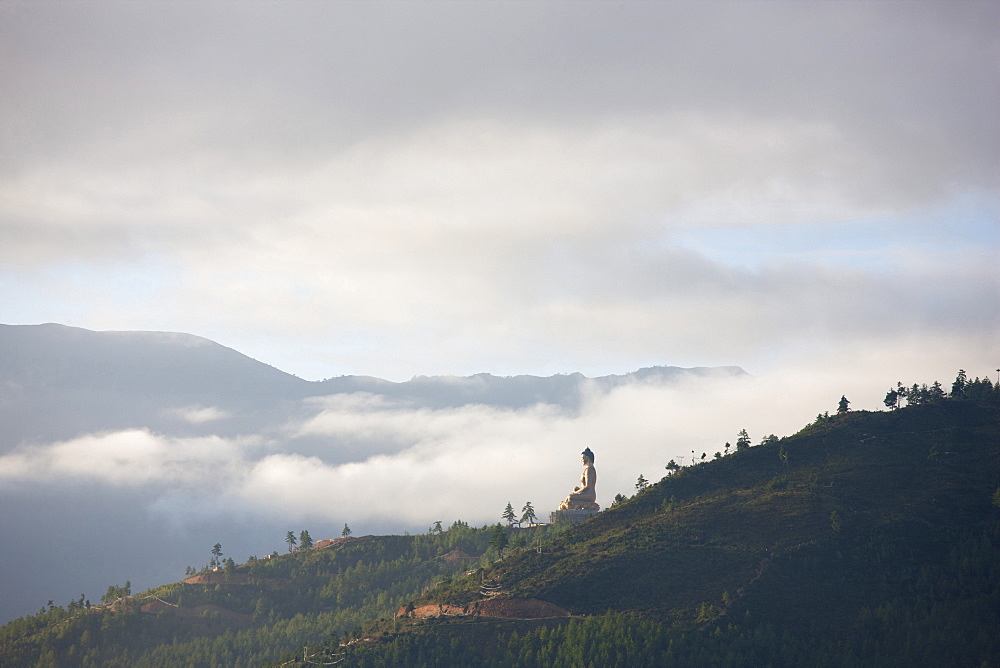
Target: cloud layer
column 379, row 464
column 437, row 188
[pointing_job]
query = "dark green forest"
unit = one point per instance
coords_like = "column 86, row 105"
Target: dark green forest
column 244, row 615
column 865, row 539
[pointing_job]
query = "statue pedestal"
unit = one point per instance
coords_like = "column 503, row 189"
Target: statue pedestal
column 570, row 516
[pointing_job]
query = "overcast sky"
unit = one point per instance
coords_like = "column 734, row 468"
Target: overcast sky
column 400, row 188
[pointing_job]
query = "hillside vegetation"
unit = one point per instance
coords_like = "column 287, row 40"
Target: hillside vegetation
column 865, row 539
column 868, row 538
column 246, row 614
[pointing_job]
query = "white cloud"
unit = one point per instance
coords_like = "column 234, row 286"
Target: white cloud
column 470, row 462
column 406, row 467
column 464, row 462
column 545, row 207
column 199, row 414
column 127, row 458
column 448, row 196
column 520, row 239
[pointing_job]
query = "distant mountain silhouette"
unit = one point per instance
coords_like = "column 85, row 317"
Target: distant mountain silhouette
column 57, row 382
column 566, row 390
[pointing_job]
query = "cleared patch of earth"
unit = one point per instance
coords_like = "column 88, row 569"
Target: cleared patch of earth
column 500, row 608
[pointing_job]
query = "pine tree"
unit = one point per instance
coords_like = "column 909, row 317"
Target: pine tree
column 508, row 514
column 842, row 407
column 305, row 540
column 346, row 532
column 290, row 539
column 498, row 539
column 742, row 440
column 958, row 387
column 936, row 392
column 892, row 400
column 641, row 483
column 528, row 513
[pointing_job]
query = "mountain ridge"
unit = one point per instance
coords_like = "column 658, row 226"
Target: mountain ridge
column 58, row 382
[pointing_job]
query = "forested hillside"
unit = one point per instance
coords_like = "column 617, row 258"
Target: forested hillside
column 243, row 615
column 868, row 538
column 865, row 539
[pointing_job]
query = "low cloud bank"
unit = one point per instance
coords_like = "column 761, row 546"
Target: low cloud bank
column 418, row 465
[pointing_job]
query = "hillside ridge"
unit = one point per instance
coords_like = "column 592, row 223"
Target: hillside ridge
column 813, row 534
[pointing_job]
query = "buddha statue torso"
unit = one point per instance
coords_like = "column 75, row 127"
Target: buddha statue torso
column 584, row 496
